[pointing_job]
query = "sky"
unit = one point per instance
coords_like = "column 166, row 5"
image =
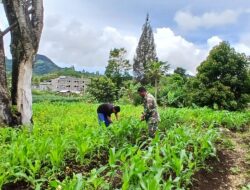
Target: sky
column 82, row 32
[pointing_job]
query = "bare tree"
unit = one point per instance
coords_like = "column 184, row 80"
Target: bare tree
column 26, row 20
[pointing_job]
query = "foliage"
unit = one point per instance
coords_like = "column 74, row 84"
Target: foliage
column 103, row 89
column 155, row 71
column 42, row 65
column 59, row 150
column 172, row 91
column 181, row 71
column 48, row 96
column 145, row 53
column 222, row 79
column 45, row 69
column 72, row 152
column 118, row 67
column 129, row 93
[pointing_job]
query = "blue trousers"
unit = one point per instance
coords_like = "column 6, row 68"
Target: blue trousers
column 102, row 118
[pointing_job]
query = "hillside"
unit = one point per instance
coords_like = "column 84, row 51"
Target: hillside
column 42, row 65
column 46, row 68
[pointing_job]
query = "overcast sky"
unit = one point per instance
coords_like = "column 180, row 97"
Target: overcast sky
column 82, row 32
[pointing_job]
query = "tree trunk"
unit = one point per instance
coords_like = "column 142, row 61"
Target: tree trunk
column 25, row 37
column 156, row 89
column 5, row 110
column 24, row 95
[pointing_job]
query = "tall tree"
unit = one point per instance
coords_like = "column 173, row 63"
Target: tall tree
column 26, row 17
column 223, row 79
column 180, row 71
column 145, row 53
column 118, row 67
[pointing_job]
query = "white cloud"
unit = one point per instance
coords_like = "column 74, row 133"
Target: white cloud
column 188, row 21
column 80, row 45
column 213, row 41
column 181, row 53
column 178, row 51
column 72, row 43
column 86, row 42
column 88, row 48
column 242, row 48
column 76, row 44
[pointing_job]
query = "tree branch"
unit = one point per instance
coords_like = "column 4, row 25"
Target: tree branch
column 37, row 18
column 8, row 29
column 11, row 27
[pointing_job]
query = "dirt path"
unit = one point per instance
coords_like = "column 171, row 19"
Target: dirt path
column 231, row 171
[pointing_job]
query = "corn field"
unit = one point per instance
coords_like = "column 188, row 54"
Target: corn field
column 67, row 149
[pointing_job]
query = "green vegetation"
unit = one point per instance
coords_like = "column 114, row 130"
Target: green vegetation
column 42, row 65
column 47, row 96
column 68, row 149
column 45, row 69
column 223, row 79
column 118, row 69
column 103, row 89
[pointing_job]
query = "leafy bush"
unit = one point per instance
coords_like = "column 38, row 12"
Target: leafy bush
column 102, row 89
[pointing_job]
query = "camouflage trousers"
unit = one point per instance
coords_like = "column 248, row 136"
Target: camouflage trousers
column 152, row 128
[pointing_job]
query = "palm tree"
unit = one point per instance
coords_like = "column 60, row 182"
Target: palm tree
column 156, row 70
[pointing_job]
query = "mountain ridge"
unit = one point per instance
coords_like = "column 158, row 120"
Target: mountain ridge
column 42, row 65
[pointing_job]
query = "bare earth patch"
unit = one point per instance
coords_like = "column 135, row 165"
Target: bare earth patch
column 231, row 169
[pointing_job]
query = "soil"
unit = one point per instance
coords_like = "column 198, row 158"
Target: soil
column 19, row 185
column 95, row 162
column 230, row 170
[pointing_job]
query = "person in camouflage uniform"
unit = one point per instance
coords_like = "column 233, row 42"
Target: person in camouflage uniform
column 150, row 114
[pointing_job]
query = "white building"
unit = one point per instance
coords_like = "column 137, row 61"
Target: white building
column 65, row 84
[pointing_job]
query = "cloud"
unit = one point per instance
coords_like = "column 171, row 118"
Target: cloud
column 213, row 41
column 87, row 48
column 178, row 51
column 76, row 44
column 82, row 33
column 243, row 46
column 188, row 21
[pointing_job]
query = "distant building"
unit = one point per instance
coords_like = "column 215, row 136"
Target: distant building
column 65, row 84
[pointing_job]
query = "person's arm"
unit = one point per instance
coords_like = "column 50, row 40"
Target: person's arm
column 109, row 119
column 116, row 116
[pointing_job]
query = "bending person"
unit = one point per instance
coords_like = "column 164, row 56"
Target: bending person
column 104, row 112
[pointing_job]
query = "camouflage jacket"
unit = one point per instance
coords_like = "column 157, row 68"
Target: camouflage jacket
column 150, row 109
